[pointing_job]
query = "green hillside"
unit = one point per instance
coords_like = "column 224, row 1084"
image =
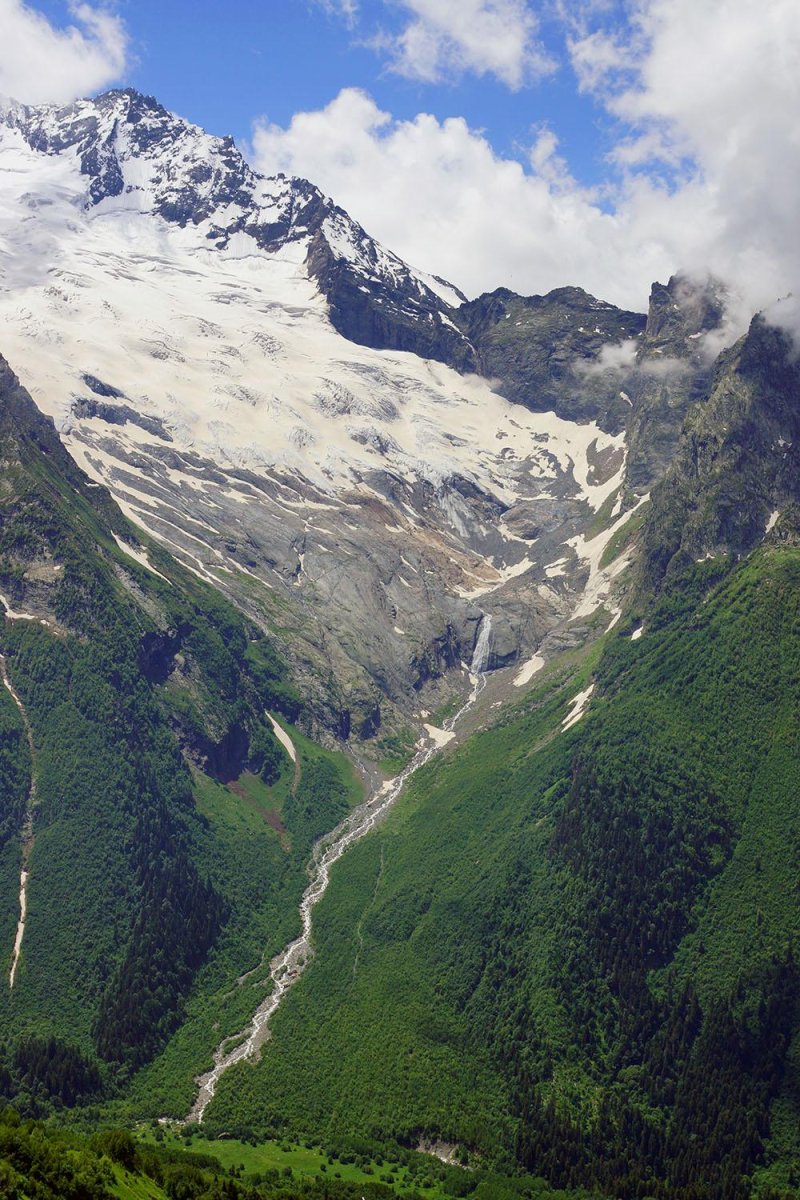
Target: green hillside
column 170, row 830
column 576, row 950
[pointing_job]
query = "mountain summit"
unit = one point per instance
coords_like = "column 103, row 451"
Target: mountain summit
column 273, row 394
column 137, row 156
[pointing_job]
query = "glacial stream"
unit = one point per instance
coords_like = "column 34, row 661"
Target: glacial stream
column 287, row 966
column 27, row 829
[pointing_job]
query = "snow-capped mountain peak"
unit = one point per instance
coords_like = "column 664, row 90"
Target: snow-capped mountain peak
column 135, row 155
column 181, row 319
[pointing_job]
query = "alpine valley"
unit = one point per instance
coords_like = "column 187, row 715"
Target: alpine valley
column 400, row 730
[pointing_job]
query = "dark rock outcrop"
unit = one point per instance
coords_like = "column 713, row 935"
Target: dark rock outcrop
column 672, row 372
column 546, row 352
column 736, row 474
column 118, row 414
column 393, row 313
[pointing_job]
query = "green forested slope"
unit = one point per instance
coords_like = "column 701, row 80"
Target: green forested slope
column 577, row 949
column 145, row 692
column 375, row 1036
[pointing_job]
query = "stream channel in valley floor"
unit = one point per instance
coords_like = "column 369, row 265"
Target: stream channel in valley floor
column 287, row 966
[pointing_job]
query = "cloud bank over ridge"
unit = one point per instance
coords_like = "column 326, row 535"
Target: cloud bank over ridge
column 703, row 176
column 701, row 97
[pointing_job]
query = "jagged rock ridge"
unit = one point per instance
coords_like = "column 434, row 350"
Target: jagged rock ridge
column 137, row 154
column 736, row 473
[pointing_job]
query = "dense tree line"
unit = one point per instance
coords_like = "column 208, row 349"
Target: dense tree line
column 659, row 795
column 179, row 918
column 43, row 1074
column 15, row 769
column 320, row 802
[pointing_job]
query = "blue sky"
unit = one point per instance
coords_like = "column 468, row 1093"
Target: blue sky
column 523, row 143
column 224, row 64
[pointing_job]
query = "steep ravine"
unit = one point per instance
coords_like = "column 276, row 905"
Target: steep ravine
column 287, row 967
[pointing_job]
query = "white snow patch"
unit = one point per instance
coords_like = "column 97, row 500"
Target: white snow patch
column 578, row 708
column 283, row 738
column 443, row 290
column 440, row 737
column 502, row 575
column 138, row 556
column 598, row 585
column 20, row 616
column 528, row 670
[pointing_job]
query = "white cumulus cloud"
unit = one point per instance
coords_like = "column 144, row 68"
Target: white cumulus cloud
column 710, row 89
column 446, row 38
column 435, row 40
column 40, row 63
column 438, row 195
column 704, row 176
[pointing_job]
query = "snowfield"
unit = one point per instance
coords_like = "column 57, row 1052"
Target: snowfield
column 233, row 351
column 193, row 370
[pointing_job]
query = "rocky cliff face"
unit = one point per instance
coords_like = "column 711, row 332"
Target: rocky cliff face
column 736, row 475
column 671, row 372
column 374, row 304
column 552, row 352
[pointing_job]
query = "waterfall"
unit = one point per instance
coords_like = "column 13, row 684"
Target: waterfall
column 480, row 655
